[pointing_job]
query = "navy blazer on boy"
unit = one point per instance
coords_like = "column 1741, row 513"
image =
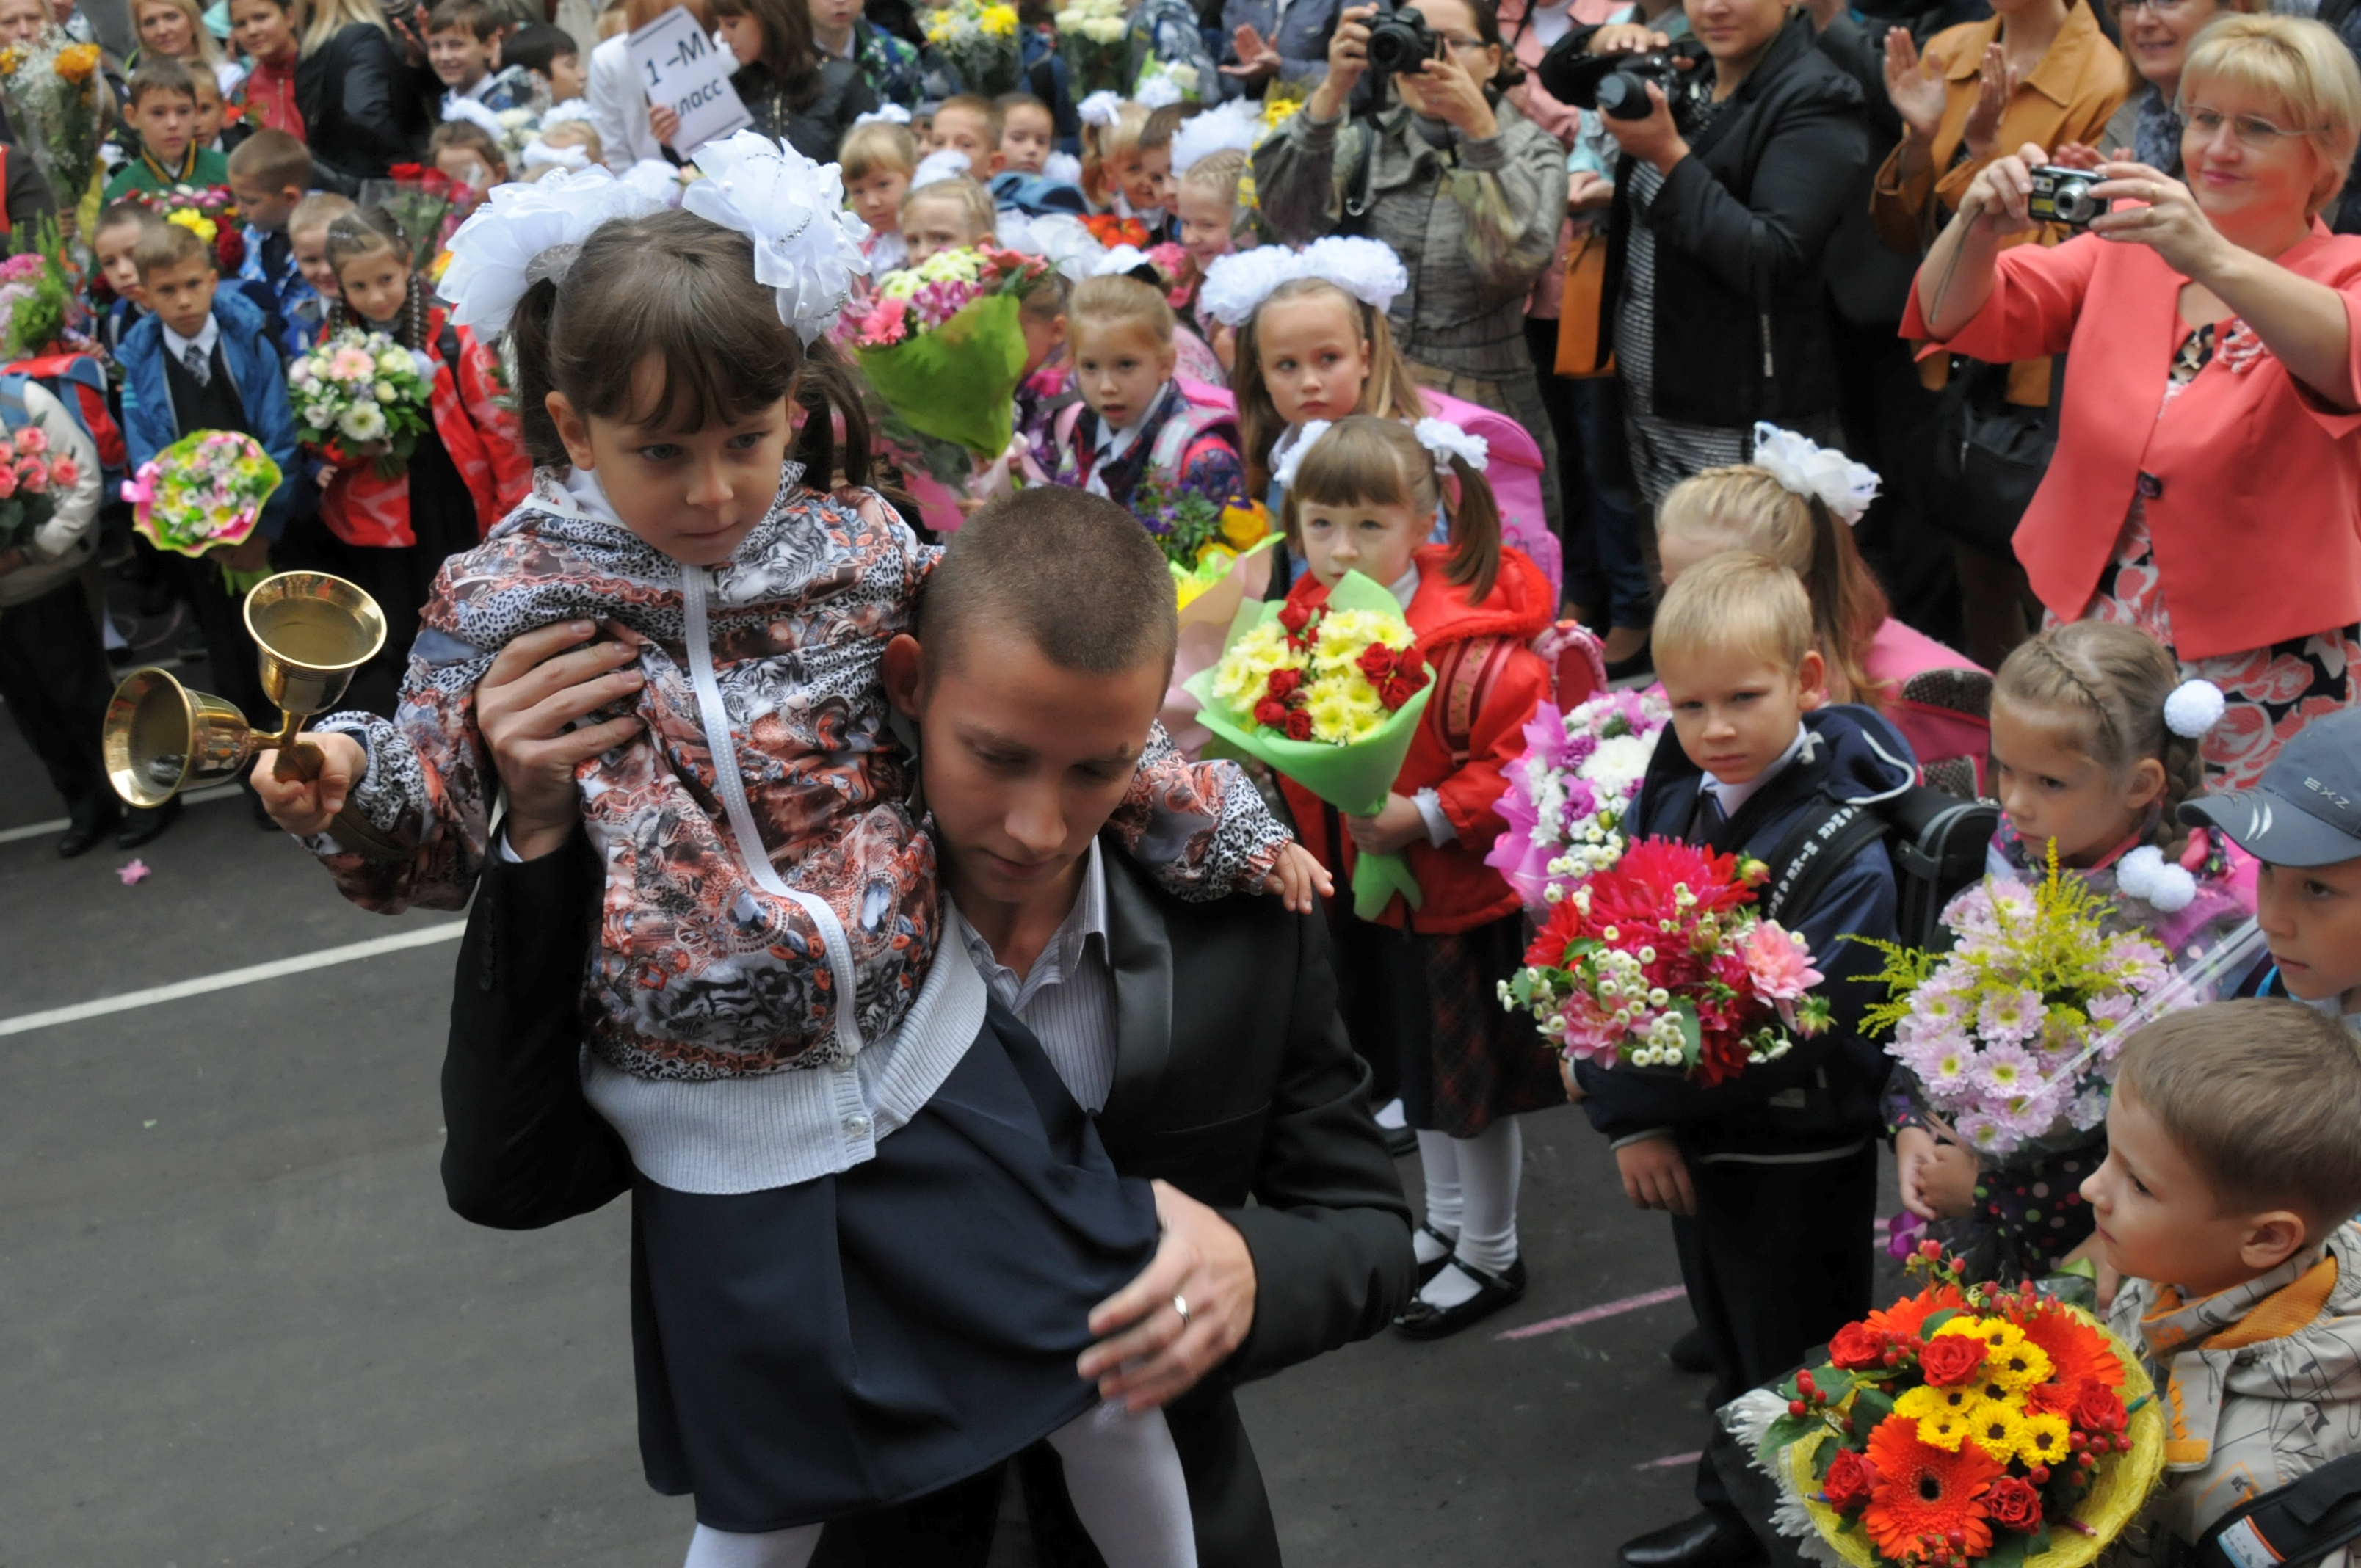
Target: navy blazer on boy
column 1824, row 1092
column 249, row 347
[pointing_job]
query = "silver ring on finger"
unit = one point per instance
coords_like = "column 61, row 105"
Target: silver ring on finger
column 1181, row 1305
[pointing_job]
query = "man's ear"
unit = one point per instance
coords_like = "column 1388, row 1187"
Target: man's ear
column 572, row 429
column 2271, row 1239
column 906, row 676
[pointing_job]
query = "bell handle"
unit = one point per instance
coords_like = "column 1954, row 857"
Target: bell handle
column 298, row 760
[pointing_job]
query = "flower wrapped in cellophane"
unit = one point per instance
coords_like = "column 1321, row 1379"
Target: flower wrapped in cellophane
column 207, row 488
column 1966, row 1424
column 1091, row 41
column 1568, row 793
column 978, row 39
column 37, row 301
column 52, row 83
column 941, row 346
column 2013, row 1035
column 1161, row 85
column 1327, row 689
column 30, row 476
column 1660, row 960
column 362, row 399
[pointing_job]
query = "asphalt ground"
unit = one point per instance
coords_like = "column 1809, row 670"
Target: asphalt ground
column 239, row 1325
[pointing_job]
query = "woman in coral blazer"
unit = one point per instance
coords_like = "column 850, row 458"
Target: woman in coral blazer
column 2207, row 483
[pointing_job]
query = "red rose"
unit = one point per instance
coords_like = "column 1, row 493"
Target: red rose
column 1413, row 668
column 2013, row 1503
column 403, row 172
column 1850, row 1476
column 1857, row 1346
column 1951, row 1360
column 1376, row 663
column 1396, row 691
column 229, row 249
column 1270, row 711
column 1298, row 725
column 2099, row 1409
column 1283, row 682
column 1295, row 616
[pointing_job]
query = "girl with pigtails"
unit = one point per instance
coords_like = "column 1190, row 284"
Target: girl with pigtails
column 1418, row 988
column 2095, row 744
column 814, row 1108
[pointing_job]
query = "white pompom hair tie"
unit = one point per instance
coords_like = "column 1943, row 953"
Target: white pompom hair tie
column 2193, row 709
column 2147, row 875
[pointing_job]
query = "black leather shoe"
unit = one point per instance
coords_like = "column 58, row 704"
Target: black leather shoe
column 1691, row 1353
column 1702, row 1542
column 1400, row 1142
column 1494, row 1291
column 146, row 824
column 1428, row 1270
column 87, row 820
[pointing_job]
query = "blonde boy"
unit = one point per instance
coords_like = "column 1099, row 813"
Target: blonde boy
column 970, row 124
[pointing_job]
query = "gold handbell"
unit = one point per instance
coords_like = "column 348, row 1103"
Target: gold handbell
column 314, row 630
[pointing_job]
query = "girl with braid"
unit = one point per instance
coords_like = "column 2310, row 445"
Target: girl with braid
column 2095, row 743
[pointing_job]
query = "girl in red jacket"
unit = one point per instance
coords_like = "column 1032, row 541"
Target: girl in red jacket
column 391, row 534
column 1420, row 987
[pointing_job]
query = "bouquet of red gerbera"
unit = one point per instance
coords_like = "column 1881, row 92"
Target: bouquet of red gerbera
column 1112, row 231
column 1659, row 960
column 1964, row 1425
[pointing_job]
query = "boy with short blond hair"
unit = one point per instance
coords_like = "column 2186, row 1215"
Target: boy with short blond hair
column 970, row 125
column 2234, row 1165
column 1770, row 1177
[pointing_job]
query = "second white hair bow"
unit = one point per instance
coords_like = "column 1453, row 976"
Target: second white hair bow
column 1447, row 440
column 807, row 243
column 525, row 233
column 1236, row 283
column 885, row 113
column 540, row 154
column 1101, row 108
column 1284, row 472
column 1806, row 468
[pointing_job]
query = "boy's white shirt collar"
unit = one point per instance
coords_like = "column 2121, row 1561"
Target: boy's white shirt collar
column 1734, row 796
column 207, row 335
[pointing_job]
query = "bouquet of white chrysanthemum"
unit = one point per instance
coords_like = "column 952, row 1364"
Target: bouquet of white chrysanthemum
column 362, row 399
column 1161, row 85
column 1091, row 40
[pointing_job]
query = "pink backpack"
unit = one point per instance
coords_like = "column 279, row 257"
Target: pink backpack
column 1209, row 410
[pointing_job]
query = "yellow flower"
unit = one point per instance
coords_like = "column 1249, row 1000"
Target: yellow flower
column 1921, row 1402
column 2043, row 1439
column 10, row 60
column 1945, row 1430
column 1240, row 678
column 76, row 61
column 1996, row 1428
column 1244, row 525
column 1332, row 714
column 196, row 222
column 1000, row 21
column 2018, row 1366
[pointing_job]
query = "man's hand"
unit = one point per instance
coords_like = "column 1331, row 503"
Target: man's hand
column 1147, row 1355
column 540, row 684
column 1257, row 56
column 1656, row 1176
column 1397, row 826
column 1298, row 879
column 305, row 807
column 1626, row 37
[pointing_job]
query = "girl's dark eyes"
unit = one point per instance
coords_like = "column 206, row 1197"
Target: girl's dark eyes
column 746, row 440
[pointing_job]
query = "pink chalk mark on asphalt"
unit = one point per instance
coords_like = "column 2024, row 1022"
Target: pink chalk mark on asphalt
column 1670, row 1459
column 1593, row 1314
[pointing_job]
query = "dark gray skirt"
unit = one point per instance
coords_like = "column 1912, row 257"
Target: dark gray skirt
column 818, row 1351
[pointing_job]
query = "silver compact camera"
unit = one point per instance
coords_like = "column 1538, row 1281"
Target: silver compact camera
column 2063, row 195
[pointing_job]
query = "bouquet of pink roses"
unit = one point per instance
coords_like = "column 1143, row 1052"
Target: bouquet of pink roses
column 28, row 476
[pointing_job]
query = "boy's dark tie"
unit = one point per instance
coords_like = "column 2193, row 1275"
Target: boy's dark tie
column 200, row 364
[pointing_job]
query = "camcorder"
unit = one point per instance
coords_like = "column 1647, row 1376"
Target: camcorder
column 2062, row 195
column 1615, row 85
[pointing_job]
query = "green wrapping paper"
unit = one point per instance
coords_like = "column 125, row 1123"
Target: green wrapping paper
column 959, row 381
column 1354, row 779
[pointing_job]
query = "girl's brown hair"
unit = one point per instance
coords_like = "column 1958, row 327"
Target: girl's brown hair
column 681, row 288
column 1371, row 460
column 1102, row 144
column 1388, row 390
column 1744, row 507
column 788, row 52
column 371, row 231
column 1104, row 301
column 2107, row 684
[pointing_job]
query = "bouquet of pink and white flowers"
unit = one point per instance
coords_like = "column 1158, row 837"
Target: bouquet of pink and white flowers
column 29, row 476
column 362, row 399
column 207, row 488
column 1567, row 796
column 940, row 345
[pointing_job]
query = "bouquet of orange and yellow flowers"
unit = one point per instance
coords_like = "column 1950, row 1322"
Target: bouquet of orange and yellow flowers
column 1966, row 1424
column 54, row 82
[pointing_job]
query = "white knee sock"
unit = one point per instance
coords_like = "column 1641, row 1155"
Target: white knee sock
column 1487, row 1168
column 790, row 1548
column 1122, row 1475
column 1438, row 1157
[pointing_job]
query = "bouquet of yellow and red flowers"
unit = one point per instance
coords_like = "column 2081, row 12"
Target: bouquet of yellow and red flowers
column 1964, row 1425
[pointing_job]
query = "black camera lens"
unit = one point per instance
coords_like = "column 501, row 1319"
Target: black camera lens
column 1400, row 42
column 1622, row 96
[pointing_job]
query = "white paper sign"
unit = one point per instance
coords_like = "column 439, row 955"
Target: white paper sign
column 682, row 68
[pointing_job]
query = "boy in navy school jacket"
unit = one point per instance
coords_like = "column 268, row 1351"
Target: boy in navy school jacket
column 242, row 385
column 1771, row 1176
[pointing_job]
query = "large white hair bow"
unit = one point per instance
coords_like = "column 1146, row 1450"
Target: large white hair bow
column 1806, row 467
column 1284, row 472
column 525, row 232
column 1236, row 283
column 541, row 155
column 806, row 245
column 944, row 163
column 885, row 113
column 1447, row 441
column 1101, row 108
column 1231, row 125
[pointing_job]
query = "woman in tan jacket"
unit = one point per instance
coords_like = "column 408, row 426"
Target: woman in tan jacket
column 2038, row 71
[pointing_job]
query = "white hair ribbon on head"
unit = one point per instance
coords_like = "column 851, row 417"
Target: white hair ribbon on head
column 1238, row 283
column 476, row 114
column 806, row 245
column 1234, row 284
column 1284, row 472
column 1058, row 238
column 1364, row 268
column 948, row 163
column 2193, row 709
column 1118, row 261
column 1805, row 467
column 1447, row 440
column 541, row 155
column 572, row 109
column 1064, row 167
column 657, row 180
column 885, row 113
column 494, row 253
column 1101, row 108
column 1230, row 127
column 2147, row 875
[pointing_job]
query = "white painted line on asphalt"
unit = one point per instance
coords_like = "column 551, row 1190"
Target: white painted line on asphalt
column 60, row 824
column 1668, row 1461
column 1587, row 1315
column 351, row 952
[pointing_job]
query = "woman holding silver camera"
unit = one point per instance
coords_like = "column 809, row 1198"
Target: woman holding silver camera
column 1726, row 196
column 2207, row 482
column 1450, row 176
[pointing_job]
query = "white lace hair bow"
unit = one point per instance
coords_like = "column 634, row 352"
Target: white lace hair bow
column 1806, row 468
column 1447, row 440
column 572, row 109
column 1229, row 127
column 1101, row 108
column 525, row 232
column 2193, row 709
column 948, row 163
column 1238, row 283
column 541, row 155
column 1284, row 472
column 885, row 113
column 807, row 243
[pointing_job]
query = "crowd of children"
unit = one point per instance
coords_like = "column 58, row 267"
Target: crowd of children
column 633, row 414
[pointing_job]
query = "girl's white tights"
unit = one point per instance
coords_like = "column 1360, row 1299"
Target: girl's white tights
column 1471, row 1192
column 1122, row 1475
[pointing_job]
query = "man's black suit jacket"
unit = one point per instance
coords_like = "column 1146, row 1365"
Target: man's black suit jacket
column 1234, row 1081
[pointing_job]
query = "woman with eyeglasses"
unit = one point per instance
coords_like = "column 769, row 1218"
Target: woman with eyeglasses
column 2157, row 34
column 1465, row 188
column 2036, row 71
column 2207, row 481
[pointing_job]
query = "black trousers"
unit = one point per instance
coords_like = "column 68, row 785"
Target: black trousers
column 1776, row 1259
column 53, row 677
column 236, row 672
